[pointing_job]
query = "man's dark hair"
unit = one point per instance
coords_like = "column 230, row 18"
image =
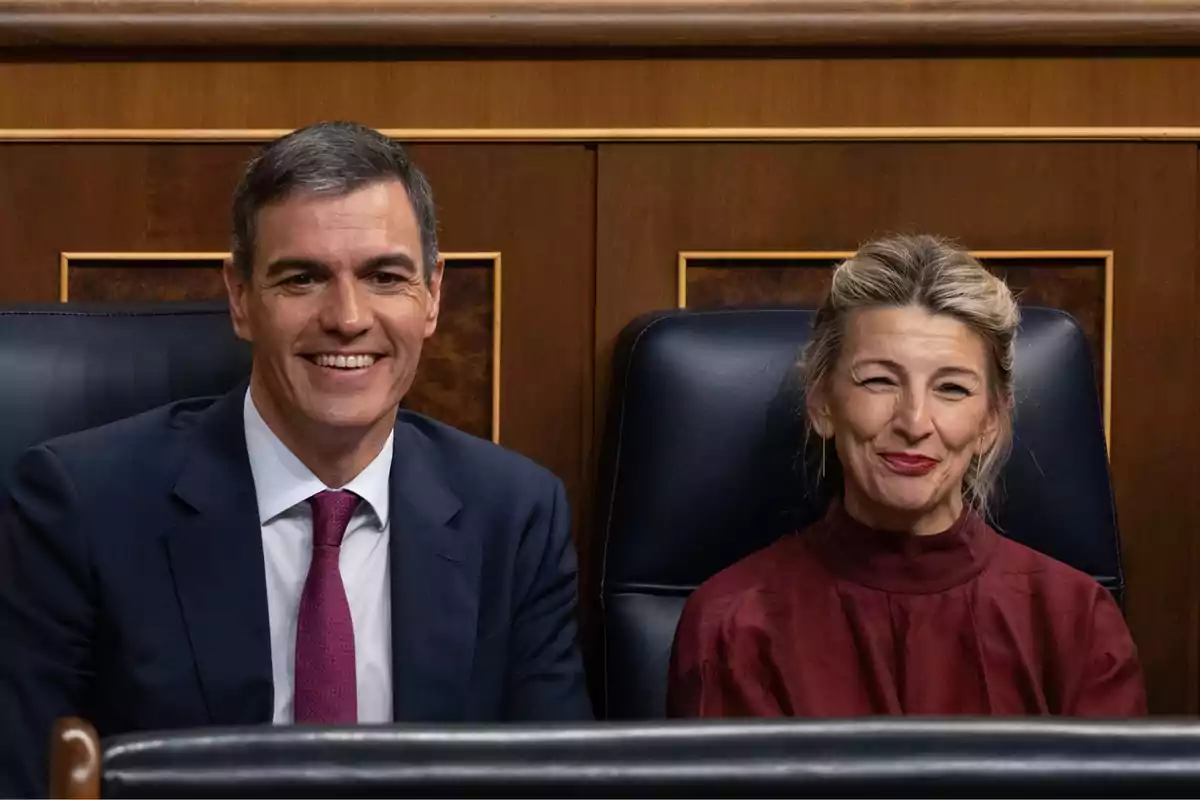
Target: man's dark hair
column 329, row 159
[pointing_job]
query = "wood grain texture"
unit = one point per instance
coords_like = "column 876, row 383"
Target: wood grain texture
column 454, row 382
column 148, row 283
column 603, row 23
column 398, row 90
column 1137, row 200
column 749, row 280
column 109, row 198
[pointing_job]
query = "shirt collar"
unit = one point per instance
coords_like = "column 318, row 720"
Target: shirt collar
column 281, row 480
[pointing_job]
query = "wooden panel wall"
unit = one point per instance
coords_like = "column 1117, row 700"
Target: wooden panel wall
column 524, row 91
column 573, row 166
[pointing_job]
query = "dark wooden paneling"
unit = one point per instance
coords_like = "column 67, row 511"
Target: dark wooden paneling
column 1138, row 200
column 749, row 282
column 1156, row 365
column 801, row 90
column 536, row 205
column 1075, row 285
column 454, row 383
column 109, row 198
column 663, row 23
column 142, row 284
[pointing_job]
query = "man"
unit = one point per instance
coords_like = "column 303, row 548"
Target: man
column 298, row 550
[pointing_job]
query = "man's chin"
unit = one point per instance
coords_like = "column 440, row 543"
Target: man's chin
column 349, row 418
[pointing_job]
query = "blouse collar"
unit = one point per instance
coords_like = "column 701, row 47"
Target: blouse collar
column 901, row 562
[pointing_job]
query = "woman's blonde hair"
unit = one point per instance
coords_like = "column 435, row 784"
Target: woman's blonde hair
column 933, row 274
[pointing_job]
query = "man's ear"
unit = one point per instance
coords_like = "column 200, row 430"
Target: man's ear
column 816, row 405
column 435, row 297
column 238, row 288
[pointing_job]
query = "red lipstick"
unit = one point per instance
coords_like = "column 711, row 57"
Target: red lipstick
column 912, row 464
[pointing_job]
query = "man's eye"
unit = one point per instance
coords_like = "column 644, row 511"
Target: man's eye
column 387, row 278
column 303, row 279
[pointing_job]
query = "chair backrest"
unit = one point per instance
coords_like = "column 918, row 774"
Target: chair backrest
column 893, row 757
column 69, row 367
column 700, row 468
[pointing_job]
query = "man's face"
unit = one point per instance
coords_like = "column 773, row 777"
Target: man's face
column 337, row 309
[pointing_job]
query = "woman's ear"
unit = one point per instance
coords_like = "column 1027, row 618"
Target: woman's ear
column 816, row 405
column 990, row 432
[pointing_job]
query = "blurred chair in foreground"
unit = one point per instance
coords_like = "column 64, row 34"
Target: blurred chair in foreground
column 893, row 757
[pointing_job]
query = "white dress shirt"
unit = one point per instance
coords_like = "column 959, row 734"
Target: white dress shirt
column 283, row 484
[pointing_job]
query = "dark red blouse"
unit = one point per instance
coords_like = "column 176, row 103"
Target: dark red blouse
column 845, row 620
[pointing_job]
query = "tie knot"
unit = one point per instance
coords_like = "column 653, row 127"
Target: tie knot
column 331, row 515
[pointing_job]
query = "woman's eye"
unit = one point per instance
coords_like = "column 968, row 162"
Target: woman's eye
column 954, row 390
column 876, row 382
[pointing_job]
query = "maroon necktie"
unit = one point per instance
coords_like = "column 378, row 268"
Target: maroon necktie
column 326, row 689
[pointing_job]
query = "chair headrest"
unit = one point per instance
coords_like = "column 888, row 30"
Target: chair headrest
column 69, row 367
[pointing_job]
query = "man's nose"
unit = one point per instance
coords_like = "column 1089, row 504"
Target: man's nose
column 346, row 312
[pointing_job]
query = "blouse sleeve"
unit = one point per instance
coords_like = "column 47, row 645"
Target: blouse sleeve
column 716, row 671
column 1111, row 682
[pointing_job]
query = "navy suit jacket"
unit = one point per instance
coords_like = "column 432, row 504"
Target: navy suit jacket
column 132, row 588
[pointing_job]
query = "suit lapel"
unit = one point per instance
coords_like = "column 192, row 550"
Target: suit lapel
column 435, row 586
column 217, row 562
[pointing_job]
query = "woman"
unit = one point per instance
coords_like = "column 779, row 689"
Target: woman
column 902, row 600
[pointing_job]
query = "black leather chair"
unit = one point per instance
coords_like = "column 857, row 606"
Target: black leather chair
column 701, row 467
column 893, row 757
column 69, row 367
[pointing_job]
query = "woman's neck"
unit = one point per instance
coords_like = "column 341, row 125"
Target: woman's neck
column 917, row 522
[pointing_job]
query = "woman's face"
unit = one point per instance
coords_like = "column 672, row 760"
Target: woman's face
column 907, row 406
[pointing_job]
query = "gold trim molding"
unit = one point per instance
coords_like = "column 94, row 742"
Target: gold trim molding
column 764, row 134
column 64, row 267
column 1011, row 255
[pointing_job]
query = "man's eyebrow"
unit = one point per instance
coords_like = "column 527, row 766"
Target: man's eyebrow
column 388, row 260
column 286, row 264
column 290, row 263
